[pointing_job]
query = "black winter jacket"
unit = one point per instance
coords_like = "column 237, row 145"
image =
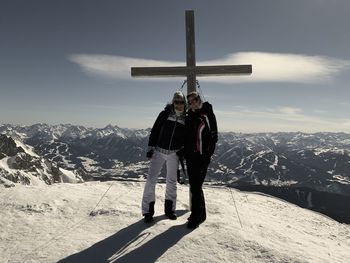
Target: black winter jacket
column 201, row 131
column 168, row 131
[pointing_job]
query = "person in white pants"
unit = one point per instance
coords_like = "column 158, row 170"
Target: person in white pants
column 166, row 141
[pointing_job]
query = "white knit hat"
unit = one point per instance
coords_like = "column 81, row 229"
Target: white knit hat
column 179, row 95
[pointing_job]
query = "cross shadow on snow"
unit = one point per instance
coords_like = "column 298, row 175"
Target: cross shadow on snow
column 114, row 248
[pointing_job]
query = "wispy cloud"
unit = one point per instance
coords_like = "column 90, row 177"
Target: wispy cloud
column 123, row 107
column 267, row 67
column 289, row 110
column 279, row 119
column 116, row 67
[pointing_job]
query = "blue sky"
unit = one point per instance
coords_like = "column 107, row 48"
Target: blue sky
column 69, row 61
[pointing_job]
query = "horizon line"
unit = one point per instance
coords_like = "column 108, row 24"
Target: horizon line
column 109, row 124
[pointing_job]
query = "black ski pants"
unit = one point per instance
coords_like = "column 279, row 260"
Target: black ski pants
column 197, row 166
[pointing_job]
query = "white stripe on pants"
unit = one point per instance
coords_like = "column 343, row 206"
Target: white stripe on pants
column 157, row 162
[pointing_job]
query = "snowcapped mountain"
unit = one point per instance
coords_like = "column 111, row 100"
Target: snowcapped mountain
column 67, row 223
column 320, row 161
column 19, row 164
column 105, row 152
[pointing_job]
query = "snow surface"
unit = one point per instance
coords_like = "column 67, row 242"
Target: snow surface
column 68, row 176
column 27, row 148
column 3, row 164
column 51, row 223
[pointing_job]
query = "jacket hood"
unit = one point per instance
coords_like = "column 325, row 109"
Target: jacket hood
column 169, row 107
column 207, row 106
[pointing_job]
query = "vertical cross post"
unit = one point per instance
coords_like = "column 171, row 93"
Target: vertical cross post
column 190, row 51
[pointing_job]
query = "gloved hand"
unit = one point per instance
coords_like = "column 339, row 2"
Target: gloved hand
column 150, row 153
column 181, row 153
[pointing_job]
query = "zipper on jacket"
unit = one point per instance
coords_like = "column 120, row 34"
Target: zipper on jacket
column 172, row 135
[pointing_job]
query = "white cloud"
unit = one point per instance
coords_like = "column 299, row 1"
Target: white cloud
column 278, row 119
column 277, row 67
column 289, row 110
column 317, row 111
column 116, row 67
column 267, row 67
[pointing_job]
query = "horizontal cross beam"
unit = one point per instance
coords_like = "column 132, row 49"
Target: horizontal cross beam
column 187, row 71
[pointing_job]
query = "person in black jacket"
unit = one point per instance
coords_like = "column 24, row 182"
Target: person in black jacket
column 167, row 138
column 201, row 139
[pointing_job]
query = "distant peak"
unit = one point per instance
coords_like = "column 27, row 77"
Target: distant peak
column 110, row 126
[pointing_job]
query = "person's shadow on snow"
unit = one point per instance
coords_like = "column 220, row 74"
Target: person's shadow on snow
column 115, row 248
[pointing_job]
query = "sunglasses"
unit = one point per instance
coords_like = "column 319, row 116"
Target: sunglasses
column 181, row 102
column 193, row 100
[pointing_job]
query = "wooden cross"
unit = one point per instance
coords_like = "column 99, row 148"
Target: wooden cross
column 191, row 71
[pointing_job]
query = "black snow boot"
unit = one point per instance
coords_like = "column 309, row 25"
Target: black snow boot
column 148, row 217
column 168, row 209
column 192, row 224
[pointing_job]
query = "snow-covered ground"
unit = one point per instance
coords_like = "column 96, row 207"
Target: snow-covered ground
column 52, row 223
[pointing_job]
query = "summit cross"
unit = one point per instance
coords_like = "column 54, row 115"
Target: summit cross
column 191, row 71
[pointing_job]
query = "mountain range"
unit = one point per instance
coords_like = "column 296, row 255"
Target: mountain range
column 308, row 164
column 320, row 160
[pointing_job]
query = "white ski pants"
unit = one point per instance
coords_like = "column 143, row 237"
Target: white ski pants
column 157, row 162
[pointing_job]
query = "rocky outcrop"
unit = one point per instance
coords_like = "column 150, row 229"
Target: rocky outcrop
column 8, row 147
